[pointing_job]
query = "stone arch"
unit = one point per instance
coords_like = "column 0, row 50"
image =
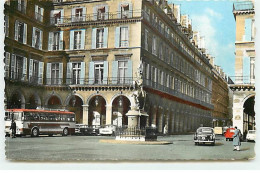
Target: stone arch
column 21, row 101
column 246, row 98
column 37, row 98
column 51, row 95
column 96, row 94
column 96, row 110
column 67, row 100
column 119, row 94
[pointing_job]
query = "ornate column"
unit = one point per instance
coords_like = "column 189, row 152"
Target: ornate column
column 108, row 114
column 85, row 114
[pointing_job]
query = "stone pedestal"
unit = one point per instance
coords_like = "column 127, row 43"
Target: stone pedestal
column 133, row 121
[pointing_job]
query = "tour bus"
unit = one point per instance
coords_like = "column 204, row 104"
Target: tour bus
column 37, row 122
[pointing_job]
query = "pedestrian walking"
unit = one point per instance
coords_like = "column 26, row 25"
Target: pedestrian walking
column 165, row 130
column 13, row 128
column 236, row 139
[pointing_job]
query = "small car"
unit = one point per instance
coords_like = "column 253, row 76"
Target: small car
column 225, row 129
column 107, row 130
column 89, row 130
column 204, row 135
column 77, row 129
column 218, row 130
column 251, row 135
column 229, row 134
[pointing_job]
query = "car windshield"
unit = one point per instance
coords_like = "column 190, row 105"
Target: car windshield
column 205, row 130
column 232, row 130
column 251, row 132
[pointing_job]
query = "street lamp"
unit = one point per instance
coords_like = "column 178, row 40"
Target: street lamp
column 120, row 101
column 96, row 100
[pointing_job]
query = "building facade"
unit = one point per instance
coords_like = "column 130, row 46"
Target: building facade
column 85, row 56
column 244, row 86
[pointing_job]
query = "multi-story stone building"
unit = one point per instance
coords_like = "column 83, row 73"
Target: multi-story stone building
column 85, row 55
column 221, row 114
column 244, row 87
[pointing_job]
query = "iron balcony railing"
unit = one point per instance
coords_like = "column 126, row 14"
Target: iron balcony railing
column 90, row 81
column 173, row 92
column 243, row 80
column 96, row 17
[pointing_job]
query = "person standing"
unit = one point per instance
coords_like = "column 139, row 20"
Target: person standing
column 13, row 128
column 236, row 139
column 165, row 130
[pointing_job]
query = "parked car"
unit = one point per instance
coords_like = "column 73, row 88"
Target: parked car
column 218, row 131
column 89, row 130
column 251, row 135
column 77, row 129
column 229, row 134
column 107, row 130
column 204, row 135
column 225, row 129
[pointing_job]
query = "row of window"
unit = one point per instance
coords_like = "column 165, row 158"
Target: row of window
column 169, row 34
column 171, row 57
column 173, row 82
column 16, row 68
column 38, row 11
column 100, row 12
column 77, row 37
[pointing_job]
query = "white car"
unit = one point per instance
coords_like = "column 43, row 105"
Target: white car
column 107, row 130
column 251, row 136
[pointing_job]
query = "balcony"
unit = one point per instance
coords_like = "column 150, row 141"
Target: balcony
column 243, row 6
column 91, row 81
column 242, row 80
column 95, row 17
column 38, row 17
column 154, row 85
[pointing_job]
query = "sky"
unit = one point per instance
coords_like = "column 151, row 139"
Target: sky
column 215, row 21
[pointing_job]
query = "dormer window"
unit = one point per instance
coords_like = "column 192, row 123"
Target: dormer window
column 78, row 14
column 57, row 16
column 101, row 13
column 125, row 10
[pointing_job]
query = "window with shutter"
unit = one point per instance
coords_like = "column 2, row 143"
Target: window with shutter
column 100, row 38
column 21, row 6
column 57, row 16
column 38, row 13
column 6, row 25
column 40, row 73
column 37, row 38
column 124, row 37
column 7, row 64
column 77, row 38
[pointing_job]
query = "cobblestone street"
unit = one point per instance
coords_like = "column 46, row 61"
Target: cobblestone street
column 89, row 148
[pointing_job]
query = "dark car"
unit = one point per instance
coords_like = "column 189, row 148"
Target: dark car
column 204, row 135
column 89, row 130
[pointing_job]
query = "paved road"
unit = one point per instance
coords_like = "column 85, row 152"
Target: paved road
column 88, row 148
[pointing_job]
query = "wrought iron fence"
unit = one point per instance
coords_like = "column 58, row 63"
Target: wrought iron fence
column 96, row 17
column 246, row 80
column 150, row 133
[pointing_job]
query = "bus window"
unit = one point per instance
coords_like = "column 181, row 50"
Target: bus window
column 72, row 118
column 28, row 116
column 7, row 116
column 36, row 116
column 42, row 117
column 57, row 117
column 52, row 118
column 63, row 117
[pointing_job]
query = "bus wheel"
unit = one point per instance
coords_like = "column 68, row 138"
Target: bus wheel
column 65, row 132
column 35, row 132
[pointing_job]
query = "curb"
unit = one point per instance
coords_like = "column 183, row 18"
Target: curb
column 113, row 141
